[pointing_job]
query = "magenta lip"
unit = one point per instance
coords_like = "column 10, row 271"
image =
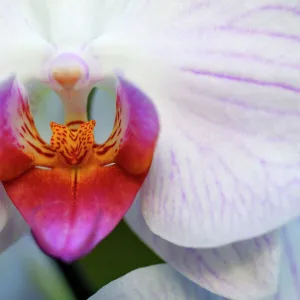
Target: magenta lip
column 70, row 59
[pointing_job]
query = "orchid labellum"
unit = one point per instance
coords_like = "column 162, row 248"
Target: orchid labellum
column 206, row 129
column 72, row 191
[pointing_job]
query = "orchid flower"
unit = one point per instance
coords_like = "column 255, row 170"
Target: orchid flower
column 71, row 191
column 206, row 99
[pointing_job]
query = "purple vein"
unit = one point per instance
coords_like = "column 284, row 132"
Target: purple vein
column 287, row 9
column 236, row 78
column 290, row 9
column 244, row 105
column 270, row 34
column 249, row 57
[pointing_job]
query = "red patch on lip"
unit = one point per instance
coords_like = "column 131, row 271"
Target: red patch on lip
column 72, row 210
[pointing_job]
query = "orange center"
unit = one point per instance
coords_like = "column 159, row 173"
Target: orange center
column 74, row 146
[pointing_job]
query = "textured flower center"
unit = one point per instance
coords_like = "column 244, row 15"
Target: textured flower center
column 74, row 146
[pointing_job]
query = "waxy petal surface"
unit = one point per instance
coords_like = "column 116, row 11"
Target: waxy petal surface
column 159, row 282
column 224, row 77
column 246, row 270
column 70, row 211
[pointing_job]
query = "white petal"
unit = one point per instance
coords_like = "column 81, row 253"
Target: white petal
column 159, row 282
column 74, row 23
column 33, row 32
column 14, row 226
column 224, row 76
column 242, row 271
column 23, row 49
